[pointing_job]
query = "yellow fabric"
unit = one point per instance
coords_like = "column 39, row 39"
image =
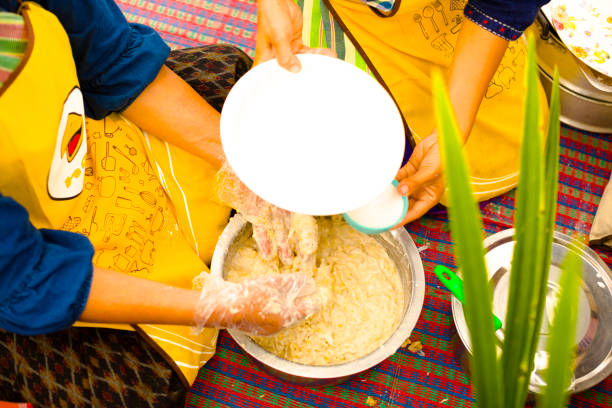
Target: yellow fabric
column 144, row 205
column 406, row 47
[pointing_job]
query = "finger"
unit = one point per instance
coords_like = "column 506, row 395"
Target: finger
column 304, row 236
column 265, row 244
column 413, row 183
column 406, row 171
column 280, row 227
column 414, row 162
column 305, row 233
column 285, row 56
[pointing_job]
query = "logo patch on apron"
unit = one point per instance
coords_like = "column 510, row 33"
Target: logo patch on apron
column 66, row 174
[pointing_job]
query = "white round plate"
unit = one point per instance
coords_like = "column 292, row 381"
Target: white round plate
column 323, row 141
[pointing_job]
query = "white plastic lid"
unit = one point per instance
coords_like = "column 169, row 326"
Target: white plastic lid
column 381, row 214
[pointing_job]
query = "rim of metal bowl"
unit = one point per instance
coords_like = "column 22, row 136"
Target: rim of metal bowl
column 387, row 349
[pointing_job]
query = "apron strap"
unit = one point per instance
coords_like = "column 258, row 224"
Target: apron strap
column 386, row 14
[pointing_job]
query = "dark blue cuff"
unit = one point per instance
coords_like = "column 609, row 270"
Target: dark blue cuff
column 126, row 76
column 45, row 275
column 115, row 60
column 504, row 18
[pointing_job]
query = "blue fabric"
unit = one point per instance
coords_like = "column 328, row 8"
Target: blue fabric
column 505, row 18
column 45, row 275
column 115, row 60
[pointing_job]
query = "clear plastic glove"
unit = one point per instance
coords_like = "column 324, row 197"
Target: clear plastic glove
column 261, row 306
column 276, row 231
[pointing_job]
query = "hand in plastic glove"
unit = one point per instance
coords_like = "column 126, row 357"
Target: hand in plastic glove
column 421, row 179
column 276, row 231
column 260, row 306
column 279, row 34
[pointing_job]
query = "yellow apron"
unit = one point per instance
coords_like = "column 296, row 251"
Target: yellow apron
column 145, row 205
column 404, row 48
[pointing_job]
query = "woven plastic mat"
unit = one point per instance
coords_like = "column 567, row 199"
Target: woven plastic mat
column 430, row 377
column 427, row 377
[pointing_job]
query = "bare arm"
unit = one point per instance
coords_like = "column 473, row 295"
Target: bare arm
column 477, row 56
column 119, row 298
column 474, row 63
column 173, row 111
column 263, row 305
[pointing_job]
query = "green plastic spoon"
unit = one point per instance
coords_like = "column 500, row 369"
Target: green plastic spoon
column 455, row 285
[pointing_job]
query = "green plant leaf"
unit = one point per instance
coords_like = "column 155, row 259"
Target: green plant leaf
column 527, row 270
column 466, row 230
column 561, row 344
column 549, row 201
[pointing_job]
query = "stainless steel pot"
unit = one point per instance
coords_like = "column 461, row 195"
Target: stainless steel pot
column 582, row 105
column 402, row 251
column 594, row 320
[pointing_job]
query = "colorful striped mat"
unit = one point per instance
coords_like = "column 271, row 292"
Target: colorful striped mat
column 433, row 377
column 189, row 23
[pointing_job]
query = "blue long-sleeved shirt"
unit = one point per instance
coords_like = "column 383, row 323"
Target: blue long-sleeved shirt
column 45, row 275
column 115, row 60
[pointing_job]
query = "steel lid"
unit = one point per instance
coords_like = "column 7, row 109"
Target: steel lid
column 552, row 52
column 594, row 329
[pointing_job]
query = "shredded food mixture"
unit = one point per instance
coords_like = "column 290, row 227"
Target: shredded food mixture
column 363, row 290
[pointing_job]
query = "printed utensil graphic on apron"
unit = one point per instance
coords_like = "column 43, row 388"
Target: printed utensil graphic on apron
column 440, row 9
column 428, row 12
column 146, row 196
column 419, row 20
column 108, row 162
column 134, row 165
column 124, row 202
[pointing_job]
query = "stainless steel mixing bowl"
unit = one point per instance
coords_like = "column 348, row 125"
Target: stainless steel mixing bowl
column 402, row 251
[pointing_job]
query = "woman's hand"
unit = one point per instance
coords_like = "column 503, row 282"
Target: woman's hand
column 279, row 34
column 276, row 231
column 421, row 179
column 260, row 306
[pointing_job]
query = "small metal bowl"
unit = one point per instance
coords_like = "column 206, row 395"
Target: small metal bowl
column 402, row 251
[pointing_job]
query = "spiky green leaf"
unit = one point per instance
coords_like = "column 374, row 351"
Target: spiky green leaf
column 549, row 199
column 527, row 266
column 561, row 344
column 466, row 230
